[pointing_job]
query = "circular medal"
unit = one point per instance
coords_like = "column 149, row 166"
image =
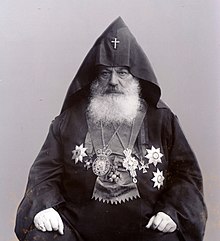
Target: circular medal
column 160, row 179
column 155, row 155
column 101, row 165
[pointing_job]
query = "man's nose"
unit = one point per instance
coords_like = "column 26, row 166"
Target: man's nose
column 113, row 81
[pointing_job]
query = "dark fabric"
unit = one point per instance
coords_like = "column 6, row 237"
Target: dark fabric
column 56, row 181
column 69, row 235
column 184, row 179
column 128, row 53
column 153, row 235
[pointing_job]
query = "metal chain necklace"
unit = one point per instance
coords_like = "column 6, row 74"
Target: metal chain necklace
column 102, row 164
column 129, row 141
column 129, row 162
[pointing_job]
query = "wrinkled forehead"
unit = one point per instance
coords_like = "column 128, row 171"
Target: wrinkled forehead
column 111, row 68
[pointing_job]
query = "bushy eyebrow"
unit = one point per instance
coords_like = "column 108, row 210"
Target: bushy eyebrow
column 103, row 68
column 122, row 68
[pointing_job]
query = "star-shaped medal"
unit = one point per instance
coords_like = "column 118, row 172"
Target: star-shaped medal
column 158, row 178
column 79, row 153
column 154, row 155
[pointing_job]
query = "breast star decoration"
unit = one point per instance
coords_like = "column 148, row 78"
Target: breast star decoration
column 79, row 153
column 154, row 155
column 130, row 164
column 158, row 179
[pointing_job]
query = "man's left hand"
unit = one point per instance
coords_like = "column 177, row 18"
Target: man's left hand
column 162, row 222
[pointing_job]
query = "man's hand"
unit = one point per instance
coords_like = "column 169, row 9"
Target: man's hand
column 49, row 220
column 162, row 222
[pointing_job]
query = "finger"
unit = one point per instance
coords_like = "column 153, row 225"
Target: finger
column 163, row 224
column 150, row 222
column 39, row 224
column 172, row 228
column 41, row 227
column 54, row 223
column 60, row 225
column 47, row 224
column 157, row 220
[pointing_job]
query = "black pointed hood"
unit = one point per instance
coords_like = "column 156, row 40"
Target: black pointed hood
column 115, row 47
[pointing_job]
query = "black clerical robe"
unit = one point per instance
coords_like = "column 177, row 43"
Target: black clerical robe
column 167, row 178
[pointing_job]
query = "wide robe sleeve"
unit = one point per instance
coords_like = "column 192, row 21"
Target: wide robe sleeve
column 182, row 199
column 44, row 182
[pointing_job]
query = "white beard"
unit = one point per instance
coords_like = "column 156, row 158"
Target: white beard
column 112, row 108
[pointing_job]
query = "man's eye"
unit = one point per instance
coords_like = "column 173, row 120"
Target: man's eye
column 123, row 73
column 104, row 74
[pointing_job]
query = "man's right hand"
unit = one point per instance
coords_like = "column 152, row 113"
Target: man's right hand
column 49, row 220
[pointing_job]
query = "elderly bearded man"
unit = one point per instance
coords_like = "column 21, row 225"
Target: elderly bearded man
column 115, row 164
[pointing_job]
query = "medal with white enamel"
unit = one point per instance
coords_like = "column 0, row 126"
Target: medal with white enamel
column 154, row 157
column 158, row 179
column 79, row 153
column 130, row 164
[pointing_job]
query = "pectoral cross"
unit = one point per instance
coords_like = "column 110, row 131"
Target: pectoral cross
column 115, row 42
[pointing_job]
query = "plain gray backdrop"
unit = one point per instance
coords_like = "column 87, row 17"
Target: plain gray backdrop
column 42, row 44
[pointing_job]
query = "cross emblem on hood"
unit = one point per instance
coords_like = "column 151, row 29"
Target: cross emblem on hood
column 115, row 42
